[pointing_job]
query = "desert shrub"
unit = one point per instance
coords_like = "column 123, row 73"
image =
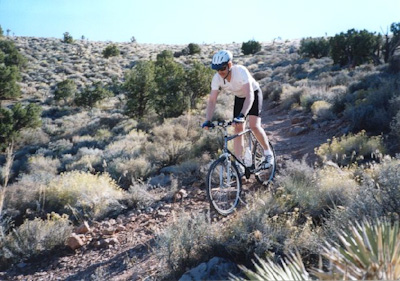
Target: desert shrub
column 291, row 96
column 86, row 160
column 65, row 90
column 169, row 144
column 13, row 120
column 92, row 95
column 351, row 148
column 384, row 184
column 110, row 51
column 322, row 111
column 139, row 196
column 39, row 164
column 316, row 191
column 251, row 47
column 127, row 170
column 354, row 47
column 83, row 194
column 67, row 38
column 35, row 237
column 184, row 242
column 272, row 91
column 395, row 125
column 314, row 47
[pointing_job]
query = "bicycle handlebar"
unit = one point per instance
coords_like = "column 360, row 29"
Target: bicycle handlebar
column 223, row 123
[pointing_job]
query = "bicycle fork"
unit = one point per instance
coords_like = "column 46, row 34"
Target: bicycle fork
column 227, row 166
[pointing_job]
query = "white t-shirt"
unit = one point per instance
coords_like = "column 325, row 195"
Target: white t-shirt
column 239, row 76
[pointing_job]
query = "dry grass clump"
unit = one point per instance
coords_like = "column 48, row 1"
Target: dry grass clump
column 185, row 242
column 34, row 237
column 351, row 148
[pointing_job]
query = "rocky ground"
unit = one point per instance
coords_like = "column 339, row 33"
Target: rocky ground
column 122, row 248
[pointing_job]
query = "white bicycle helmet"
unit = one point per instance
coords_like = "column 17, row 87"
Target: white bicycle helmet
column 220, row 59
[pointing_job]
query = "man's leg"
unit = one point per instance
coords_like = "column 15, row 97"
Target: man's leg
column 238, row 144
column 258, row 131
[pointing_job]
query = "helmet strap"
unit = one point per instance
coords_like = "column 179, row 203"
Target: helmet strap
column 229, row 71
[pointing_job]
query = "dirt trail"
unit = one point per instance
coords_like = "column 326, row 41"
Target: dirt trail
column 295, row 136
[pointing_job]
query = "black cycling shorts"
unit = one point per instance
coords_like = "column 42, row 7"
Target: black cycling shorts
column 255, row 108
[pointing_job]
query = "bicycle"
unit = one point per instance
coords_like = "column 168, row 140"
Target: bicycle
column 224, row 181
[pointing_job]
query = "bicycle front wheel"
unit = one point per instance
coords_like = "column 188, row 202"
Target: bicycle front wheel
column 223, row 186
column 263, row 176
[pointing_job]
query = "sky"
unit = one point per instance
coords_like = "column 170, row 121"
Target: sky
column 200, row 22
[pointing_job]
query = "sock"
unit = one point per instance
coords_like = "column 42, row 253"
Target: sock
column 267, row 152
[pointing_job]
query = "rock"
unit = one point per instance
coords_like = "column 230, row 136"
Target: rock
column 295, row 131
column 75, row 242
column 215, row 269
column 83, row 228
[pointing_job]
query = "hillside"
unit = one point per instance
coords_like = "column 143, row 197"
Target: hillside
column 124, row 245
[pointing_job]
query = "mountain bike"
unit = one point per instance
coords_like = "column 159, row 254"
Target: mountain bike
column 224, row 180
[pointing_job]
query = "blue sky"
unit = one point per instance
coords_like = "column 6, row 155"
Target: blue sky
column 202, row 21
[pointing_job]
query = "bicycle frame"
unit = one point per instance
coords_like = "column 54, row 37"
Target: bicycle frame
column 227, row 152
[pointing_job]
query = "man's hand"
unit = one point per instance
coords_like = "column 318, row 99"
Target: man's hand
column 207, row 124
column 240, row 118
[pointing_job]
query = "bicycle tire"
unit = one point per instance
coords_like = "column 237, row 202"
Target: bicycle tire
column 263, row 176
column 223, row 193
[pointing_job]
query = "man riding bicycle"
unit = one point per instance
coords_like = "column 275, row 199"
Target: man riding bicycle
column 248, row 101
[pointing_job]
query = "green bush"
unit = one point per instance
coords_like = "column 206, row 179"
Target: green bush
column 67, row 38
column 251, row 47
column 9, row 76
column 194, row 49
column 92, row 95
column 354, row 47
column 65, row 90
column 10, row 56
column 13, row 120
column 314, row 47
column 170, row 99
column 140, row 87
column 111, row 51
column 198, row 79
column 392, row 42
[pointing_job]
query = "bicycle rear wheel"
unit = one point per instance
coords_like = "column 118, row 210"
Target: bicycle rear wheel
column 263, row 176
column 224, row 185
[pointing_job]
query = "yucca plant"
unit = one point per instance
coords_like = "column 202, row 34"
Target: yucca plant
column 368, row 251
column 292, row 269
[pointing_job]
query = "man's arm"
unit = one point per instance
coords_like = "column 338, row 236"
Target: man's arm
column 248, row 102
column 212, row 101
